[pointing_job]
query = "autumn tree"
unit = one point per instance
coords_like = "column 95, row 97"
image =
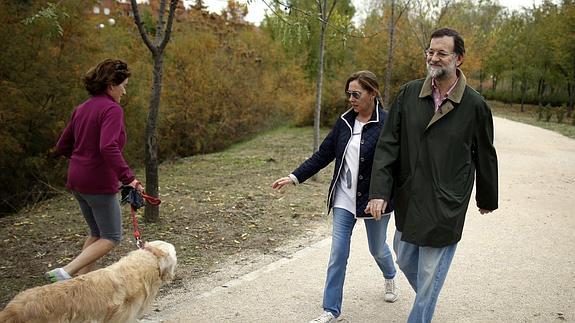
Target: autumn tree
column 199, row 5
column 40, row 85
column 235, row 12
column 396, row 10
column 562, row 47
column 424, row 16
column 377, row 51
column 566, row 57
column 226, row 83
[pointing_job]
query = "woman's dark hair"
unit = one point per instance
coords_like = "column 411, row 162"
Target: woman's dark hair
column 366, row 79
column 458, row 43
column 106, row 73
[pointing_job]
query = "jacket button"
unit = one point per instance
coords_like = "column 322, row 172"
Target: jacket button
column 362, row 141
column 360, row 177
column 361, row 159
column 358, row 193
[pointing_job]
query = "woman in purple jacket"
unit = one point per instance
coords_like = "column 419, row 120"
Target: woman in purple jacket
column 93, row 141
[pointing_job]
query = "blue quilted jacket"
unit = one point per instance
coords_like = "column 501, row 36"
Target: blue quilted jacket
column 334, row 147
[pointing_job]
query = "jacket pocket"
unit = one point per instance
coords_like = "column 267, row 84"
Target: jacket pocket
column 455, row 185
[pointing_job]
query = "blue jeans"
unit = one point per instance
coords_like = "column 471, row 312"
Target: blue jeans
column 343, row 223
column 426, row 269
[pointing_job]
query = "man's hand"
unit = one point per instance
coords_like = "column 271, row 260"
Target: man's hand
column 376, row 207
column 484, row 211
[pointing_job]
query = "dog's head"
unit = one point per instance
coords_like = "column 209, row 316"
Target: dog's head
column 166, row 254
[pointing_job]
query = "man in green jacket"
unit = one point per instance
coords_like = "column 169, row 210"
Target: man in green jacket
column 438, row 137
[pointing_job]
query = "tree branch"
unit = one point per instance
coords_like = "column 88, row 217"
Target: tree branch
column 403, row 9
column 171, row 14
column 331, row 10
column 306, row 13
column 278, row 15
column 160, row 28
column 141, row 28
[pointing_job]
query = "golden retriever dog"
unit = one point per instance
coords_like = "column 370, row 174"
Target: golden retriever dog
column 118, row 293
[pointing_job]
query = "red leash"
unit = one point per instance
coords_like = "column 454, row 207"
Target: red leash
column 150, row 200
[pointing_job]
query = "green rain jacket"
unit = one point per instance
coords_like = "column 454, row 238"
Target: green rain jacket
column 427, row 161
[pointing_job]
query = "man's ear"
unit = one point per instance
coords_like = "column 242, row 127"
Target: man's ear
column 460, row 58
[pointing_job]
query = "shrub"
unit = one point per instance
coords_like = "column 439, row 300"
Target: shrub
column 560, row 112
column 540, row 112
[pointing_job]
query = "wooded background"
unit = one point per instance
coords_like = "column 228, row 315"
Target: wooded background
column 226, row 80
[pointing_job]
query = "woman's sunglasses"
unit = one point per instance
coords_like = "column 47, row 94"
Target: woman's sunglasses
column 355, row 94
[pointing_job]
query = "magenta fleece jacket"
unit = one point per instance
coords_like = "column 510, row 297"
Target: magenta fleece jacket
column 93, row 140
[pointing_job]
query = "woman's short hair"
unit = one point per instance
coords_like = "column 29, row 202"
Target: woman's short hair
column 366, row 79
column 107, row 72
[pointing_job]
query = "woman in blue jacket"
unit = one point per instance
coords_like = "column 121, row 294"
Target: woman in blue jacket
column 351, row 143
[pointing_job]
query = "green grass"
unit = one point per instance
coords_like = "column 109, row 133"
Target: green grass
column 529, row 116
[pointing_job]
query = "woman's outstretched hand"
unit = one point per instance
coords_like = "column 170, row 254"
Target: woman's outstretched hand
column 281, row 182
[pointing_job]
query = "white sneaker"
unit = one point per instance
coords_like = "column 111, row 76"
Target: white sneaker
column 325, row 317
column 391, row 291
column 56, row 275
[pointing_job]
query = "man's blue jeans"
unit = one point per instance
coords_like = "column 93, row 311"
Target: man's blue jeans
column 343, row 223
column 426, row 269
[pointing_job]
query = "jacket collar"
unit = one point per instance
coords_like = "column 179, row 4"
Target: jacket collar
column 454, row 97
column 349, row 115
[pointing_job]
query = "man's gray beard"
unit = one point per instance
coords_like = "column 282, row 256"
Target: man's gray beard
column 436, row 73
column 440, row 73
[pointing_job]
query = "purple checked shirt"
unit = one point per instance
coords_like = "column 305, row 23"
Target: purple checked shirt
column 437, row 99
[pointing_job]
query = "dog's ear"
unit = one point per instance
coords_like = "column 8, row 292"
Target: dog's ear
column 166, row 261
column 167, row 268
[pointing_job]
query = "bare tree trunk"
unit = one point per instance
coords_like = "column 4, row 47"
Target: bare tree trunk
column 152, row 212
column 494, row 83
column 571, row 92
column 571, row 95
column 523, row 90
column 388, row 70
column 540, row 90
column 319, row 83
column 325, row 15
column 512, row 83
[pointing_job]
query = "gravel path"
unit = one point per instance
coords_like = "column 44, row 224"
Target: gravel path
column 514, row 265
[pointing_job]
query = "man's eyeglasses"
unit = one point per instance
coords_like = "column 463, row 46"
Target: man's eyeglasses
column 439, row 53
column 355, row 94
